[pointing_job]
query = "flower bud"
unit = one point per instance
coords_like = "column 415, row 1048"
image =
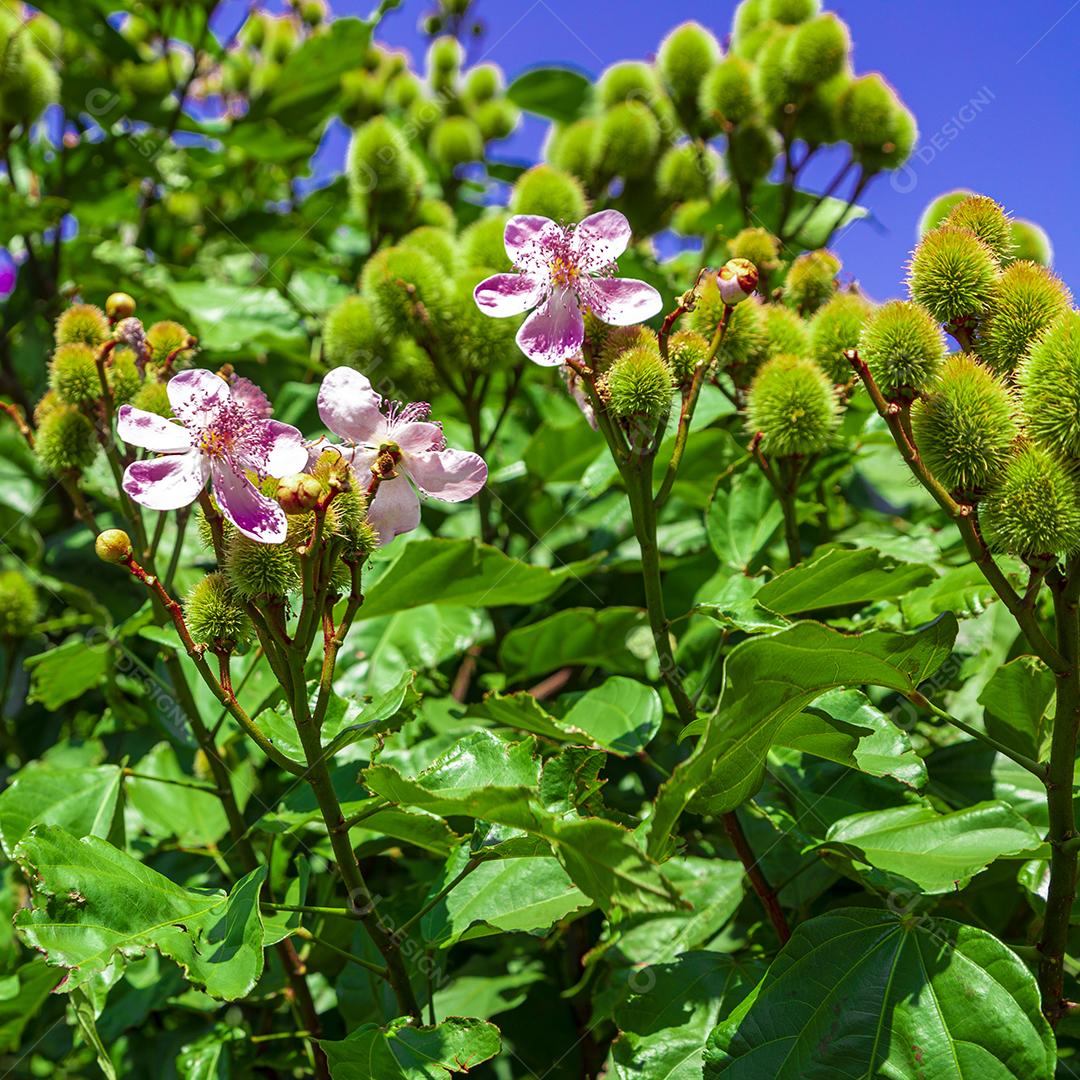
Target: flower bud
column 1035, row 508
column 791, row 12
column 987, row 220
column 550, row 193
column 214, row 616
column 687, row 349
column 65, row 440
column 811, row 281
column 1049, row 378
column 73, row 374
column 1030, row 242
column 728, row 94
column 82, row 323
column 817, row 50
column 130, row 332
column 965, row 427
column 20, row 606
column 298, row 493
column 638, row 384
column 455, row 141
column 120, row 306
column 113, row 546
column 736, row 279
column 835, row 329
column 686, row 172
column 938, row 210
column 794, row 405
column 684, row 58
column 164, row 338
column 1025, row 300
column 756, row 245
column 903, row 347
column 785, row 332
column 952, row 274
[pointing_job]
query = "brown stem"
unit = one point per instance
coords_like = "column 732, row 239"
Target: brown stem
column 766, row 894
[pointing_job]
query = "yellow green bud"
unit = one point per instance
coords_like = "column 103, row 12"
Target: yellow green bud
column 120, row 305
column 987, row 220
column 728, row 94
column 20, row 606
column 1049, row 378
column 638, row 384
column 684, row 58
column 66, row 441
column 455, row 141
column 1030, row 242
column 627, row 140
column 113, row 546
column 73, row 374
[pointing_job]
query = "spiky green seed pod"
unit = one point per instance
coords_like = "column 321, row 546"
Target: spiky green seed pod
column 165, row 338
column 811, row 280
column 791, row 12
column 751, row 151
column 691, row 218
column 439, row 244
column 20, row 606
column 482, row 244
column 73, row 374
column 816, row 119
column 686, row 350
column 437, row 213
column 872, row 118
column 1026, row 300
column 65, row 441
column 84, row 323
column 785, row 332
column 749, row 15
column 897, row 142
column 1049, row 378
column 684, row 58
column 213, row 615
column 608, row 343
column 403, row 91
column 48, row 403
column 152, row 397
column 482, row 83
column 952, row 274
column 627, row 140
column 350, row 335
column 23, row 98
column 938, row 210
column 45, row 35
column 756, row 245
column 1035, row 508
column 628, row 80
column 362, row 96
column 987, row 220
column 817, row 50
column 113, row 546
column 455, row 141
column 770, row 75
column 384, row 174
column 793, row 404
column 1030, row 242
column 728, row 94
column 835, row 328
column 745, row 343
column 479, row 343
column 573, row 148
column 686, row 172
column 445, row 57
column 407, row 292
column 638, row 384
column 903, row 347
column 965, row 427
column 123, row 375
column 496, row 119
column 550, row 193
column 255, row 571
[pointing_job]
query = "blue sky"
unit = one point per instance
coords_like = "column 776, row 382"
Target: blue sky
column 993, row 83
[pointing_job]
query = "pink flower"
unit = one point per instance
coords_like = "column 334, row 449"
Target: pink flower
column 561, row 270
column 401, row 441
column 219, row 437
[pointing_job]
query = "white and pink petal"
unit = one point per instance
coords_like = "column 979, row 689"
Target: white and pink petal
column 600, row 239
column 621, row 301
column 524, row 232
column 256, row 516
column 553, row 334
column 449, row 475
column 350, row 407
column 394, row 510
column 197, row 395
column 150, row 431
column 503, row 295
column 168, row 482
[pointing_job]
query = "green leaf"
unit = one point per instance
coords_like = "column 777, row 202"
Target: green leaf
column 23, row 993
column 741, row 521
column 65, row 673
column 442, row 571
column 772, row 678
column 612, row 638
column 840, row 578
column 845, row 727
column 500, row 896
column 476, row 990
column 558, row 93
column 963, row 590
column 95, row 903
column 403, row 1052
column 82, row 800
column 621, row 716
column 229, row 317
column 865, row 993
column 1018, row 701
column 936, row 853
column 669, row 1011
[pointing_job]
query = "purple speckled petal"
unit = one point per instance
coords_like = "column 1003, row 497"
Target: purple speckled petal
column 248, row 509
column 523, row 231
column 250, row 396
column 150, row 431
column 509, row 294
column 394, row 510
column 621, row 301
column 600, row 239
column 450, row 475
column 551, row 335
column 274, row 449
column 418, row 435
column 167, row 483
column 196, row 395
column 349, row 406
